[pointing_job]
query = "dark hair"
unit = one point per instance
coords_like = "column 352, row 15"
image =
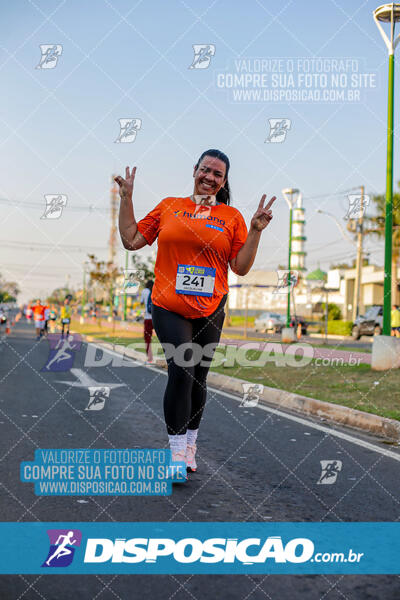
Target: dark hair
column 224, row 194
column 149, row 284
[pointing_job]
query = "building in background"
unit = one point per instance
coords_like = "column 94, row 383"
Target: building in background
column 256, row 291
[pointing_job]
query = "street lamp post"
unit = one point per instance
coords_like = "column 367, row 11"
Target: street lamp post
column 288, row 194
column 388, row 13
column 385, row 349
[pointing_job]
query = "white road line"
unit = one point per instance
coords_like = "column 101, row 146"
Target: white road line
column 340, row 434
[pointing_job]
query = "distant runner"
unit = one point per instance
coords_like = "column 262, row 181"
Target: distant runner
column 395, row 321
column 148, row 321
column 46, row 319
column 65, row 315
column 38, row 317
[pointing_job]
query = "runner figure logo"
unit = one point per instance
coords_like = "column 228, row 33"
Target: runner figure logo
column 50, row 55
column 330, row 470
column 357, row 206
column 63, row 543
column 202, row 56
column 128, row 130
column 54, row 206
column 98, row 397
column 278, row 129
column 62, row 352
column 132, row 279
column 251, row 394
column 286, row 280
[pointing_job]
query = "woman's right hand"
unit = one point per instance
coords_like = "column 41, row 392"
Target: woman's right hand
column 126, row 185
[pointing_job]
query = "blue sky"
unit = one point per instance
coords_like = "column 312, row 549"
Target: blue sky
column 131, row 59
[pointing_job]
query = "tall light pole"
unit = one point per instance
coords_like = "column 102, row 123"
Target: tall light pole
column 359, row 244
column 288, row 194
column 388, row 13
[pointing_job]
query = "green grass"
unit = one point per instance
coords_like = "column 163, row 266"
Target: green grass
column 340, row 347
column 352, row 386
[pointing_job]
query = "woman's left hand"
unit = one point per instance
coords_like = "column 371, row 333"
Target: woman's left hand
column 262, row 216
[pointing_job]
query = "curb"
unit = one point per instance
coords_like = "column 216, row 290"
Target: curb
column 335, row 413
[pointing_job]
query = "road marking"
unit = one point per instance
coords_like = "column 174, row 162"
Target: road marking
column 340, row 434
column 84, row 381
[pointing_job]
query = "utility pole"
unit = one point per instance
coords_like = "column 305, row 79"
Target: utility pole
column 112, row 244
column 360, row 235
column 125, row 297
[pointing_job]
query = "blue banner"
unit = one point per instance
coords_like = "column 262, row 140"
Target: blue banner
column 101, row 472
column 208, row 548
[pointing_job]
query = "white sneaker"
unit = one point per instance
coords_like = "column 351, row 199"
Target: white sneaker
column 177, row 470
column 190, row 458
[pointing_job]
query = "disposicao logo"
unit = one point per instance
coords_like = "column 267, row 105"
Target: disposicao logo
column 62, row 547
column 192, row 550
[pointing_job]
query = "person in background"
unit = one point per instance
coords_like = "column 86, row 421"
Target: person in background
column 52, row 318
column 148, row 321
column 65, row 315
column 46, row 319
column 395, row 321
column 29, row 313
column 94, row 313
column 38, row 317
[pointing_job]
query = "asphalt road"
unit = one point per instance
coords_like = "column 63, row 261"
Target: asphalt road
column 253, row 466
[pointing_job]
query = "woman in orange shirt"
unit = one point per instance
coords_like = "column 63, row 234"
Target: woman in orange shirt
column 198, row 238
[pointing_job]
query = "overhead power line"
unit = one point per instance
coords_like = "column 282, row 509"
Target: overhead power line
column 41, row 206
column 41, row 246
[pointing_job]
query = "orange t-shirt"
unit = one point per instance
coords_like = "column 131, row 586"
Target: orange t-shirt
column 38, row 312
column 190, row 234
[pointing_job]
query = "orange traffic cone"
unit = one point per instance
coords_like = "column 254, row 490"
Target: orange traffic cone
column 8, row 330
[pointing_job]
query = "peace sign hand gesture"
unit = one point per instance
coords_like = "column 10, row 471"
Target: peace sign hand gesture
column 262, row 216
column 126, row 185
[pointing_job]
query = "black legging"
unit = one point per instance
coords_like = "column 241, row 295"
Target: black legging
column 185, row 394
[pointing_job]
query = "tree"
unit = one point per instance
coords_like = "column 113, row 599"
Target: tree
column 9, row 290
column 146, row 266
column 57, row 296
column 105, row 274
column 376, row 228
column 365, row 263
column 334, row 312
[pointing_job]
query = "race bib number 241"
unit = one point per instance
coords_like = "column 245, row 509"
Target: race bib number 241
column 196, row 281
